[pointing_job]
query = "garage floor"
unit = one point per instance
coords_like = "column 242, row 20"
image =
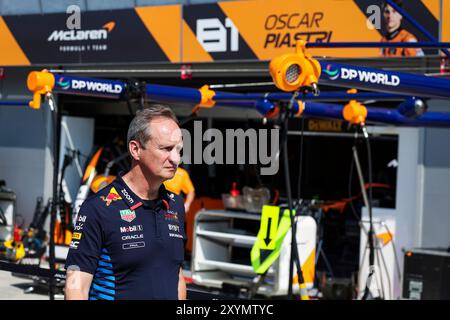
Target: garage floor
column 12, row 288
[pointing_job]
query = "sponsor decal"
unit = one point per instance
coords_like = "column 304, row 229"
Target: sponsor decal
column 213, row 35
column 134, row 228
column 127, row 196
column 171, row 196
column 175, row 235
column 30, row 261
column 74, row 244
column 281, row 29
column 82, row 35
column 112, row 196
column 171, row 215
column 324, row 125
column 101, row 38
column 133, row 245
column 372, row 77
column 76, row 235
column 63, row 84
column 173, row 227
column 133, row 237
column 91, row 86
column 332, row 74
column 127, row 215
column 80, row 223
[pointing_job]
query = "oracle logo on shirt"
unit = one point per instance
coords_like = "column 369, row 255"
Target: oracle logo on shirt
column 133, row 237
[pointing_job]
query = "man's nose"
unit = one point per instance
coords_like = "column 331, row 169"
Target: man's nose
column 174, row 156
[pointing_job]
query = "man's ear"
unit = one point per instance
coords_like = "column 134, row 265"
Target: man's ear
column 134, row 148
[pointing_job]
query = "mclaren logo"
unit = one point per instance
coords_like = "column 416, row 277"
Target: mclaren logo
column 77, row 35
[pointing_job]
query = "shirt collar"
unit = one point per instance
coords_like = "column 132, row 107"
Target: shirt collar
column 134, row 201
column 393, row 34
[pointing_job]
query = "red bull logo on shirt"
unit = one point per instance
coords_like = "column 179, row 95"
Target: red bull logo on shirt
column 112, row 196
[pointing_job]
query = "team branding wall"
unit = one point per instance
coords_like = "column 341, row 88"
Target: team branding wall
column 105, row 36
column 239, row 30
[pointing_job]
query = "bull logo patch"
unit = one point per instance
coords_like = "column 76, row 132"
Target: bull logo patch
column 112, row 196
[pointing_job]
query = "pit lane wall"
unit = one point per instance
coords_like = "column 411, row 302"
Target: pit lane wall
column 232, row 30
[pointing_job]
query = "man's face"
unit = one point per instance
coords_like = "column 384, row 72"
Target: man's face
column 392, row 18
column 161, row 155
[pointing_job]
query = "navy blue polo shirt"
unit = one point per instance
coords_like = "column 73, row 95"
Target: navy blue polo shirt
column 134, row 248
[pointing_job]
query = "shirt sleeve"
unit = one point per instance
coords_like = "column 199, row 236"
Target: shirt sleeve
column 86, row 245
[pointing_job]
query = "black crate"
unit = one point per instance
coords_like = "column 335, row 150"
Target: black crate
column 426, row 274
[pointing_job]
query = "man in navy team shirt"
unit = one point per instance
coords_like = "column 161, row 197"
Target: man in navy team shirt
column 128, row 241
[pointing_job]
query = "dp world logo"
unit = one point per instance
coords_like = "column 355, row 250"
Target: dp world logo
column 333, row 74
column 63, row 84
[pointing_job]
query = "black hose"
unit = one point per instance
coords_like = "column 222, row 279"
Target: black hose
column 56, row 127
column 189, row 118
column 300, row 162
column 130, row 109
column 295, row 258
column 371, row 231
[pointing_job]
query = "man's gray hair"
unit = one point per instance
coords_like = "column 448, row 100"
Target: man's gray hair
column 139, row 129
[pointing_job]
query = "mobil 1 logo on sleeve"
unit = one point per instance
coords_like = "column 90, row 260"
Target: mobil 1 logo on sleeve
column 216, row 33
